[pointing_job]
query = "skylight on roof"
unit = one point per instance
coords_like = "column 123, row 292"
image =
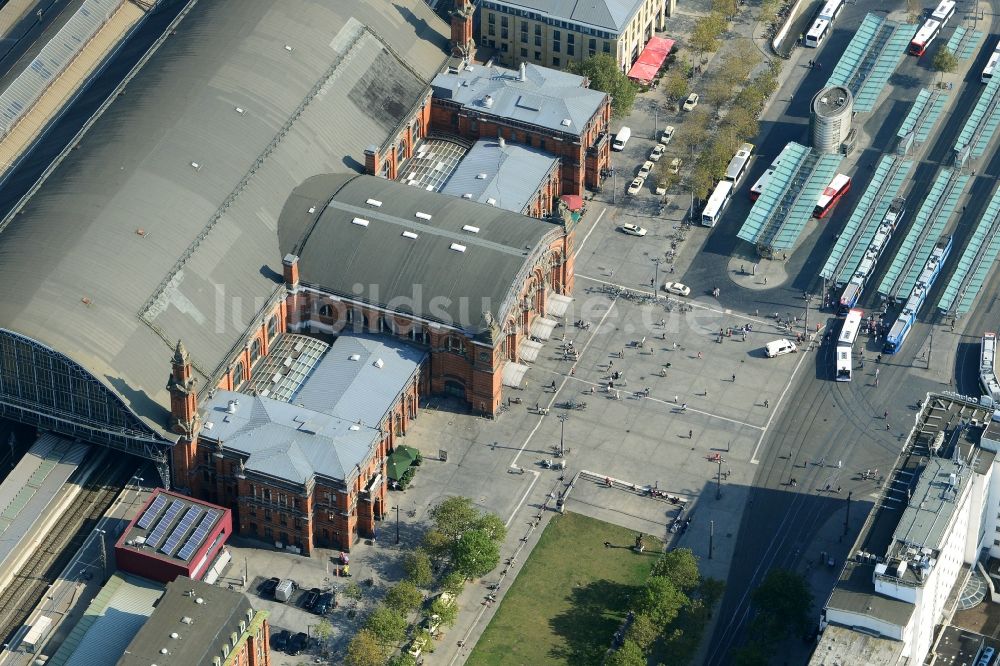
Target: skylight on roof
column 373, row 202
column 471, row 229
column 566, row 122
column 410, row 234
column 360, row 221
column 458, row 247
column 423, row 216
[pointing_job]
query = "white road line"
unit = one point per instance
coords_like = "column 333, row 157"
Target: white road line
column 523, row 497
column 587, row 237
column 513, row 463
column 774, row 408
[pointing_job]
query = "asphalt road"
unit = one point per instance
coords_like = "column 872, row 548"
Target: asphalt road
column 826, row 419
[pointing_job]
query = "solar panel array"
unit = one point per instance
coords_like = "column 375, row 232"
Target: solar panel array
column 155, row 538
column 53, row 59
column 869, row 211
column 179, row 532
column 147, row 518
column 976, row 261
column 924, row 233
column 963, row 42
column 198, row 536
column 890, row 52
column 982, row 122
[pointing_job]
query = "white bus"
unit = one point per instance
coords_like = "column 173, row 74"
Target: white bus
column 987, row 369
column 817, row 33
column 991, row 65
column 830, row 10
column 944, row 11
column 758, row 187
column 738, row 165
column 927, row 33
column 717, row 203
column 845, row 344
column 837, row 188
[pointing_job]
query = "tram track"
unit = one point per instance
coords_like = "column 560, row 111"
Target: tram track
column 28, row 586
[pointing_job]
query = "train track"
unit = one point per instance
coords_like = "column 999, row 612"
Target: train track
column 58, row 547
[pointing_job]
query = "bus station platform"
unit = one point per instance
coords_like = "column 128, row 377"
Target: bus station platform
column 975, row 263
column 870, row 59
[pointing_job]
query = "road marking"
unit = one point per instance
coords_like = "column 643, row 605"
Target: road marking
column 587, row 237
column 774, row 410
column 523, row 497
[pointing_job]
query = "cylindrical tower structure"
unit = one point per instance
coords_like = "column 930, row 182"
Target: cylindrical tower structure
column 832, row 109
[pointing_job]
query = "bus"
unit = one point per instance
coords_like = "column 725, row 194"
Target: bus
column 925, row 35
column 830, row 10
column 987, row 369
column 991, row 65
column 738, row 165
column 758, row 187
column 717, row 203
column 817, row 33
column 943, row 12
column 866, row 268
column 845, row 344
column 837, row 188
column 904, row 322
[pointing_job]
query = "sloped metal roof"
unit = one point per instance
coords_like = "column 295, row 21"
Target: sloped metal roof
column 465, row 259
column 317, row 82
column 976, row 261
column 546, row 97
column 610, row 14
column 504, row 176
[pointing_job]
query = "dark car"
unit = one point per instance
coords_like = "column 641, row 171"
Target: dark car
column 326, row 602
column 279, row 641
column 267, row 587
column 298, row 643
column 310, row 598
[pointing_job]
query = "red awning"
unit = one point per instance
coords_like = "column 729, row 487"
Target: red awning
column 650, row 60
column 573, row 201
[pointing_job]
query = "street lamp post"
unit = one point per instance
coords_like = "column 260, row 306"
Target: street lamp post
column 847, row 518
column 656, row 274
column 104, row 553
column 711, row 537
column 397, row 523
column 718, row 484
column 562, row 435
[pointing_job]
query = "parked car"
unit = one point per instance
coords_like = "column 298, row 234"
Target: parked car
column 691, row 101
column 633, row 230
column 645, row 169
column 675, row 165
column 636, row 185
column 677, row 288
column 298, row 643
column 657, row 153
column 779, row 347
column 268, row 586
column 326, row 602
column 310, row 598
column 279, row 641
column 668, row 134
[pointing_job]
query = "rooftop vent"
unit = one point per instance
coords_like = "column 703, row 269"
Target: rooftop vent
column 466, row 196
column 233, row 406
column 373, row 202
column 240, row 110
column 199, row 600
column 379, row 363
column 410, row 234
column 312, row 209
column 186, row 620
column 423, row 216
column 491, row 201
column 471, row 229
column 288, row 48
column 209, row 425
column 457, row 247
column 175, row 635
column 480, row 176
column 196, row 166
column 522, row 75
column 355, row 427
column 164, row 651
column 488, row 101
column 354, row 357
column 360, row 221
column 566, row 122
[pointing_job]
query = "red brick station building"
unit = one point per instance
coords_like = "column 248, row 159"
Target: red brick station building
column 245, row 293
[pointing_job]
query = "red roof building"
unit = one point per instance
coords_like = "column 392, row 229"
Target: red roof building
column 175, row 535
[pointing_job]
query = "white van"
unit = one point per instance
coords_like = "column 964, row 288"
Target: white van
column 284, row 591
column 779, row 347
column 624, row 134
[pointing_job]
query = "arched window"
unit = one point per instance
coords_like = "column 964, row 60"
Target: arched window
column 326, row 310
column 255, row 350
column 239, row 373
column 272, row 327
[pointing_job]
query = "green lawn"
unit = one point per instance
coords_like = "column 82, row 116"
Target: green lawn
column 569, row 598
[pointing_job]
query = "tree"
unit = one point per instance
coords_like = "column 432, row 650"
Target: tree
column 944, row 61
column 493, row 526
column 769, row 10
column 629, row 654
column 447, row 611
column 476, row 554
column 705, row 34
column 700, row 182
column 660, row 600
column 387, row 625
column 437, row 544
column 417, row 564
column 322, row 631
column 675, row 86
column 403, row 659
column 743, row 122
column 643, row 631
column 454, row 516
column 365, row 650
column 403, row 597
column 718, row 91
column 725, row 7
column 604, row 74
column 453, row 583
column 783, row 601
column 680, row 567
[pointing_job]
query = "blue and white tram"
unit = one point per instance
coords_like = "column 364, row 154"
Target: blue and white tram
column 904, row 322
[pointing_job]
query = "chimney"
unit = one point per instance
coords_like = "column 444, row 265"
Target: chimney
column 291, row 271
column 522, row 76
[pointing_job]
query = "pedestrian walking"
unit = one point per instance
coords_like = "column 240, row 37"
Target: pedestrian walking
column 765, row 403
column 765, row 279
column 840, row 464
column 838, row 489
column 675, row 399
column 690, row 434
column 684, row 407
column 572, row 371
column 734, row 377
column 887, row 426
column 885, row 415
column 700, row 355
